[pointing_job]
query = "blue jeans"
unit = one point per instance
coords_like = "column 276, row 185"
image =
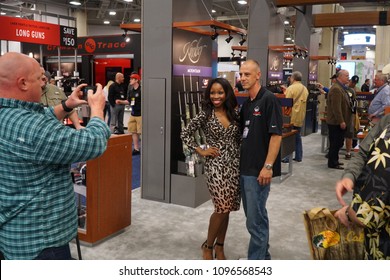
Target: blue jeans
column 298, row 144
column 55, row 253
column 254, row 199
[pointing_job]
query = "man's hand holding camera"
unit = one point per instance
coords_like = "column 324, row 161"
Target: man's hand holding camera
column 96, row 100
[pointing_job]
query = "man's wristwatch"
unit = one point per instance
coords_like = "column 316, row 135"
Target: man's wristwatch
column 66, row 108
column 268, row 166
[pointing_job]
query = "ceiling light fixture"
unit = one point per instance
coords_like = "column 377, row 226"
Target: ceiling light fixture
column 286, row 22
column 112, row 13
column 242, row 2
column 128, row 0
column 106, row 22
column 137, row 20
column 125, row 36
column 228, row 39
column 243, row 40
column 215, row 35
column 213, row 11
column 76, row 3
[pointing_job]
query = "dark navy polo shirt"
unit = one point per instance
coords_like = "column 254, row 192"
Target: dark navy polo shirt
column 136, row 108
column 262, row 117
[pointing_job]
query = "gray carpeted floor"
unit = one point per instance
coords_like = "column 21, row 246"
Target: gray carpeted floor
column 167, row 231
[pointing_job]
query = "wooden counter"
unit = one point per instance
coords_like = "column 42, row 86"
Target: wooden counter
column 108, row 194
column 286, row 150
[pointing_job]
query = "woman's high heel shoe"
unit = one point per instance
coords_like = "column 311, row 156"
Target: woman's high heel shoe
column 219, row 255
column 207, row 251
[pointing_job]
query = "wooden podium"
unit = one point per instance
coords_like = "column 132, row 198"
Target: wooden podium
column 108, row 194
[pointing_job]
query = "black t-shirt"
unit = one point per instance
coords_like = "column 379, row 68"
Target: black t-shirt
column 365, row 88
column 116, row 91
column 135, row 96
column 261, row 117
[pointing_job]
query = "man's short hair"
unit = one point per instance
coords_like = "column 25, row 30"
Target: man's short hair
column 340, row 72
column 383, row 77
column 296, row 76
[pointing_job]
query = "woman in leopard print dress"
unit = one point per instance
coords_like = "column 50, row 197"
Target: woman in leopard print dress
column 219, row 121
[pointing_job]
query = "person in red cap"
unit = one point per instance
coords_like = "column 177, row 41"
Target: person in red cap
column 134, row 125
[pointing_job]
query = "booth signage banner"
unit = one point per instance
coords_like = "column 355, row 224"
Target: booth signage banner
column 187, row 70
column 95, row 45
column 29, row 31
column 68, row 36
column 313, row 72
column 358, row 52
column 191, row 48
column 275, row 67
column 192, row 54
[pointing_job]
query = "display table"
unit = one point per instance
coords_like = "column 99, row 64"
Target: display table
column 108, row 191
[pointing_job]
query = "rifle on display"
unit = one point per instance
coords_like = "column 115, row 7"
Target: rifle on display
column 186, row 150
column 189, row 161
column 187, row 108
column 193, row 107
column 201, row 132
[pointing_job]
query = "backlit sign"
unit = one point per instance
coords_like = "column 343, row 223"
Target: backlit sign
column 359, row 39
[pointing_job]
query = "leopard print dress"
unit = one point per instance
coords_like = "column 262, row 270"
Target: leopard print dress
column 222, row 172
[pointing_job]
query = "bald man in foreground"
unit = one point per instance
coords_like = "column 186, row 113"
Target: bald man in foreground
column 38, row 216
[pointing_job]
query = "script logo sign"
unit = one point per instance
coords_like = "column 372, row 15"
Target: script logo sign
column 192, row 50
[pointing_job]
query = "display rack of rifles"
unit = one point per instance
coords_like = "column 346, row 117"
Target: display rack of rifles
column 190, row 104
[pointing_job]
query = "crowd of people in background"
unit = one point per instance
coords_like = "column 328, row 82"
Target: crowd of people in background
column 241, row 158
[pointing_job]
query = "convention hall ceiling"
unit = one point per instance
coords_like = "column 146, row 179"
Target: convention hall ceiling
column 127, row 11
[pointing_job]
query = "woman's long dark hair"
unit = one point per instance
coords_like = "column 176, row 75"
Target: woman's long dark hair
column 230, row 103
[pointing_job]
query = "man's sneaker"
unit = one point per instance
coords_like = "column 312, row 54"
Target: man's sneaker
column 135, row 152
column 348, row 156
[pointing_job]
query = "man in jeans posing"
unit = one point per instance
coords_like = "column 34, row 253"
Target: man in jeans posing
column 261, row 122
